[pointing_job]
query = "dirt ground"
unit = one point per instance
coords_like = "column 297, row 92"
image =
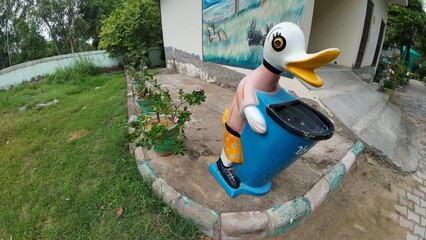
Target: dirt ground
column 362, row 207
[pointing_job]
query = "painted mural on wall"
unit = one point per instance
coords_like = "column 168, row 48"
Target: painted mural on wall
column 234, row 30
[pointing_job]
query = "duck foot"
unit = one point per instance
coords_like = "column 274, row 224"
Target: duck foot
column 228, row 174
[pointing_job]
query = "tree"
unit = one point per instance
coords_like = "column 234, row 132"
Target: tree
column 31, row 44
column 131, row 29
column 67, row 25
column 64, row 22
column 404, row 24
column 10, row 14
column 93, row 12
column 6, row 14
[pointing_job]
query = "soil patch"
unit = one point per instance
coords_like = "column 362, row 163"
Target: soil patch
column 163, row 121
column 362, row 207
column 77, row 134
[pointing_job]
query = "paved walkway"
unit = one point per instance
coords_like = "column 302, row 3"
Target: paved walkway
column 412, row 201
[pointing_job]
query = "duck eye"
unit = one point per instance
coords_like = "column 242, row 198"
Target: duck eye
column 278, row 43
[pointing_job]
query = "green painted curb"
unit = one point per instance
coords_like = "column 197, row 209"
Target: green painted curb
column 357, row 148
column 335, row 176
column 291, row 214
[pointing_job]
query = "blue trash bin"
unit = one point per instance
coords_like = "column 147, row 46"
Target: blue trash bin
column 293, row 128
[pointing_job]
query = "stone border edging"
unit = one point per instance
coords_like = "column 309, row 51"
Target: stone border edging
column 239, row 225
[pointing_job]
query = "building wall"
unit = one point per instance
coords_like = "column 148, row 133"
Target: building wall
column 182, row 25
column 20, row 73
column 306, row 23
column 182, row 33
column 380, row 12
column 338, row 24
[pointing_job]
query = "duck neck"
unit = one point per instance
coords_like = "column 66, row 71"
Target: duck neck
column 268, row 80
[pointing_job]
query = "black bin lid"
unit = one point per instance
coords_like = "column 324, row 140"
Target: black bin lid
column 300, row 119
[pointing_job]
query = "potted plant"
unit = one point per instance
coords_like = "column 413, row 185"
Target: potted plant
column 164, row 131
column 130, row 72
column 143, row 90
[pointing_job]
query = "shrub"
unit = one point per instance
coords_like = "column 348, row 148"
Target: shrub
column 398, row 78
column 167, row 113
column 380, row 70
column 80, row 70
column 131, row 29
column 415, row 76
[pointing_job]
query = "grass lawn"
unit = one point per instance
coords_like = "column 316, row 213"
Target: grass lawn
column 65, row 170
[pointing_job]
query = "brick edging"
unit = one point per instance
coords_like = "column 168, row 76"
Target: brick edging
column 255, row 224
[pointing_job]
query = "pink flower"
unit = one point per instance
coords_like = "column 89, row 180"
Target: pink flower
column 175, row 119
column 132, row 119
column 145, row 67
column 197, row 90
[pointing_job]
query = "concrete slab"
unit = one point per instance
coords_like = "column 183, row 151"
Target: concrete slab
column 352, row 106
column 370, row 115
column 189, row 174
column 383, row 133
column 336, row 78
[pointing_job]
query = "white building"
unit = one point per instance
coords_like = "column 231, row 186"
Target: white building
column 356, row 27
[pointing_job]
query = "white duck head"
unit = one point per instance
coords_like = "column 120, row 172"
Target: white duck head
column 284, row 49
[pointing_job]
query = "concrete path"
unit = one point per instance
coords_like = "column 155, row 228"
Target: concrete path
column 369, row 114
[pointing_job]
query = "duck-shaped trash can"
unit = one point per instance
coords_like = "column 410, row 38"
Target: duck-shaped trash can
column 266, row 128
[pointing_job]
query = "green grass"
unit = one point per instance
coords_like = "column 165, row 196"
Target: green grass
column 77, row 73
column 54, row 185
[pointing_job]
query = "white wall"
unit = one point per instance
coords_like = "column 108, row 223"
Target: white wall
column 182, row 25
column 306, row 22
column 380, row 12
column 20, row 73
column 338, row 24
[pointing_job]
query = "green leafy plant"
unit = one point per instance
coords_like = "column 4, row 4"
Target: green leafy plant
column 169, row 113
column 79, row 71
column 398, row 78
column 139, row 78
column 142, row 79
column 415, row 76
column 131, row 29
